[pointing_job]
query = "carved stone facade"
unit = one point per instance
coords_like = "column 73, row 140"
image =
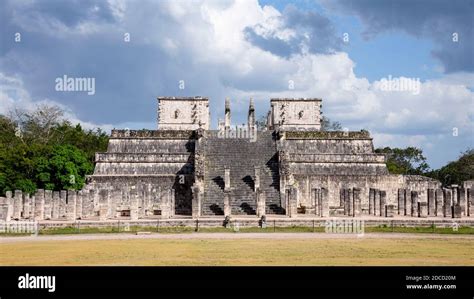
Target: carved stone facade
column 289, row 170
column 184, row 113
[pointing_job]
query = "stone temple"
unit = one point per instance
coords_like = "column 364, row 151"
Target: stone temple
column 289, row 169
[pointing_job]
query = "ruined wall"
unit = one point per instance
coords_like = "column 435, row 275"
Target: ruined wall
column 185, row 113
column 296, row 114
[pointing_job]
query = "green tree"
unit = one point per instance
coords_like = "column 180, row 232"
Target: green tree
column 457, row 171
column 40, row 149
column 408, row 160
column 65, row 168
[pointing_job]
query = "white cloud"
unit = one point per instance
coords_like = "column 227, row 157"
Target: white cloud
column 13, row 95
column 205, row 43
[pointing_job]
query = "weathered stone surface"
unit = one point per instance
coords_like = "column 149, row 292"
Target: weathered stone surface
column 71, row 205
column 27, row 214
column 423, row 209
column 372, row 201
column 17, row 205
column 55, row 202
column 303, row 114
column 414, row 204
column 383, row 202
column 431, row 202
column 62, row 204
column 401, row 202
column 39, row 204
column 447, row 204
column 457, row 211
column 439, row 194
column 48, row 198
column 357, row 203
column 389, row 210
column 462, row 201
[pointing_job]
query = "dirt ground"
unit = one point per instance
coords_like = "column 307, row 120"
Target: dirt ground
column 235, row 249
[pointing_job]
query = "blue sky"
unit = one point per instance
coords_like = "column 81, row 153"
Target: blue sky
column 250, row 48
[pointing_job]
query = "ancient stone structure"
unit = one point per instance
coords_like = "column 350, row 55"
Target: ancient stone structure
column 290, row 169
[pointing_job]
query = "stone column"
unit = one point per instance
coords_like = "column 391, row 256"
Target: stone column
column 227, row 114
column 4, row 209
column 226, row 178
column 134, row 206
column 55, row 205
column 431, row 202
column 196, row 202
column 79, row 200
column 260, row 203
column 172, row 202
column 39, row 204
column 470, row 202
column 9, row 206
column 439, row 202
column 401, row 202
column 345, row 196
column 293, row 202
column 377, row 211
column 104, row 204
column 389, row 210
column 251, row 117
column 454, row 191
column 414, row 203
column 457, row 211
column 48, row 198
column 350, row 202
column 17, row 204
column 371, row 201
column 86, row 204
column 423, row 209
column 62, row 203
column 71, row 205
column 257, row 179
column 93, row 203
column 447, row 203
column 317, row 202
column 26, row 206
column 324, row 202
column 227, row 208
column 357, row 202
column 383, row 202
column 462, row 201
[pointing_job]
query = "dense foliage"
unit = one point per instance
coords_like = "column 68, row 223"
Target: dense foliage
column 411, row 161
column 40, row 149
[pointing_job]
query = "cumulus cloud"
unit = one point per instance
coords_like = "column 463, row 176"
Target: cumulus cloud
column 14, row 96
column 235, row 49
column 438, row 20
column 294, row 31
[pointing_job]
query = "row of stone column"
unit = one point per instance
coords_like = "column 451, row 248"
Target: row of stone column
column 45, row 205
column 378, row 205
column 452, row 203
column 71, row 205
column 320, row 202
column 350, row 199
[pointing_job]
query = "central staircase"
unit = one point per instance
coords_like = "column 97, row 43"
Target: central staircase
column 241, row 156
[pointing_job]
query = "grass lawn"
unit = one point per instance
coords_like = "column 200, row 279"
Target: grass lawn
column 363, row 251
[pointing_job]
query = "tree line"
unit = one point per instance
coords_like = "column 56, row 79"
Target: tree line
column 41, row 149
